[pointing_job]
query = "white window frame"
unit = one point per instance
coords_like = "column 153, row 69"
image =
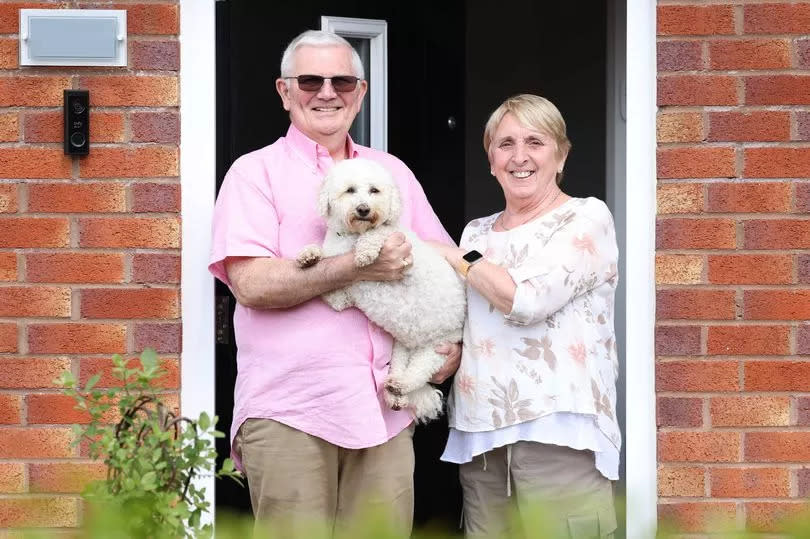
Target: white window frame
column 198, row 166
column 376, row 31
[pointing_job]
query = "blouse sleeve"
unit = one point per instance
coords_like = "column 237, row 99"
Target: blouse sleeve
column 579, row 257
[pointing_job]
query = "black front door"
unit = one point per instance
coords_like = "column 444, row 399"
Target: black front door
column 425, row 129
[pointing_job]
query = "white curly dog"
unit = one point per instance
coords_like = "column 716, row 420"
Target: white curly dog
column 361, row 204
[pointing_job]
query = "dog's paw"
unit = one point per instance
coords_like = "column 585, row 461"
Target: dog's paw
column 364, row 258
column 394, row 387
column 309, row 256
column 395, row 402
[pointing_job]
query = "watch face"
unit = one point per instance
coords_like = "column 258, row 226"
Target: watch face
column 472, row 256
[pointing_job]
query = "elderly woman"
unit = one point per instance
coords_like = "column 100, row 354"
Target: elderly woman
column 532, row 411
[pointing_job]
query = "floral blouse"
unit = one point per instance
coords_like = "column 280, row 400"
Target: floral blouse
column 556, row 350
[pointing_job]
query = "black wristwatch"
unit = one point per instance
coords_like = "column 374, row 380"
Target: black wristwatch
column 470, row 258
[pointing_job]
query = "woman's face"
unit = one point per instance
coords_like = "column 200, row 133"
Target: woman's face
column 524, row 161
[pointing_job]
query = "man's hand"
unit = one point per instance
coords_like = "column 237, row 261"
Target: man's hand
column 394, row 260
column 453, row 353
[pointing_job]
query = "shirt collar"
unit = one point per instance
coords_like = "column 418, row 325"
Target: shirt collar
column 313, row 152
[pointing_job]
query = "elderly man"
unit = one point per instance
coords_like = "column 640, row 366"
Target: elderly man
column 310, row 429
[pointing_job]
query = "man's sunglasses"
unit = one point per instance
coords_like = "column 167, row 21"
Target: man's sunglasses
column 313, row 83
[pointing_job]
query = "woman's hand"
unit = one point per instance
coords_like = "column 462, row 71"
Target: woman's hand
column 453, row 353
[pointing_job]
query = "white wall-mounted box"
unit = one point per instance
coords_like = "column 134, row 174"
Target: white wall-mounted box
column 73, row 37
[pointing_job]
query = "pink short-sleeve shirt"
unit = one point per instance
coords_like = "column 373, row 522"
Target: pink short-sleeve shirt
column 309, row 367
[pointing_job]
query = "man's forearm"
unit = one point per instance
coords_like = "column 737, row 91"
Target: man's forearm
column 277, row 283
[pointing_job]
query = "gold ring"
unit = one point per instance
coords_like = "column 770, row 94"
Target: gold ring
column 405, row 263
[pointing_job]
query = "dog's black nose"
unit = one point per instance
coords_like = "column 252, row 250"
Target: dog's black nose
column 362, row 210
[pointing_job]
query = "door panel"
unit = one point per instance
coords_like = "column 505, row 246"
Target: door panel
column 425, row 89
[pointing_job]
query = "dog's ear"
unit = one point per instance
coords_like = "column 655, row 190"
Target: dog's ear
column 324, row 207
column 394, row 204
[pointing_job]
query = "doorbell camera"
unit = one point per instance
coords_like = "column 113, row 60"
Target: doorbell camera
column 77, row 122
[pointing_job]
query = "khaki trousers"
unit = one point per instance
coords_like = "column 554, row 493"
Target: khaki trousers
column 535, row 490
column 303, row 486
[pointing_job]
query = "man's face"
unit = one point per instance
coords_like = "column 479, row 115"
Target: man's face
column 322, row 113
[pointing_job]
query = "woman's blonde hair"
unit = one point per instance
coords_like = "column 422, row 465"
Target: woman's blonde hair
column 536, row 113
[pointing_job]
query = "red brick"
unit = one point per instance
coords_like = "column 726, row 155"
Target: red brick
column 34, row 232
column 750, row 269
column 154, row 268
column 696, row 517
column 678, row 269
column 76, row 197
column 50, row 512
column 156, row 127
column 697, row 162
column 674, row 304
column 157, row 233
column 64, row 477
column 131, row 90
column 679, row 127
column 755, row 126
column 33, row 163
column 695, row 234
column 803, row 53
column 163, row 337
column 74, row 267
column 750, row 482
column 155, row 55
column 774, row 516
column 10, row 409
column 803, row 197
column 160, row 19
column 804, row 269
column 803, row 339
column 698, row 446
column 48, row 127
column 34, row 301
column 749, row 340
column 777, row 162
column 8, row 266
column 697, row 376
column 695, row 20
column 12, row 477
column 681, row 481
column 32, row 443
column 31, row 373
column 777, row 376
column 8, row 338
column 803, row 477
column 89, row 367
column 150, row 161
column 777, row 446
column 750, row 411
column 23, row 91
column 679, row 198
column 740, row 54
column 76, row 338
column 130, row 303
column 777, row 234
column 803, row 412
column 697, row 90
column 679, row 412
column 677, row 340
column 776, row 18
column 9, row 54
column 156, row 197
column 777, row 90
column 777, row 304
column 679, row 55
column 9, row 127
column 10, row 13
column 8, row 198
column 749, row 197
column 54, row 408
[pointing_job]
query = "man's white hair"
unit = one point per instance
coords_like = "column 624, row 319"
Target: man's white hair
column 318, row 38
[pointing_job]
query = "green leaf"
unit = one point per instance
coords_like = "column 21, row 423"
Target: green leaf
column 149, row 359
column 91, row 383
column 204, row 421
column 148, row 481
column 227, row 465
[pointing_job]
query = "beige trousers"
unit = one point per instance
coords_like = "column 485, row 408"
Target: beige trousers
column 303, row 486
column 535, row 490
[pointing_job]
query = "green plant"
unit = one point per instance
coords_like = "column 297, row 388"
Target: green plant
column 152, row 456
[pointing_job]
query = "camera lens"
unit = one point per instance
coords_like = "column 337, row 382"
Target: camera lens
column 77, row 140
column 78, row 107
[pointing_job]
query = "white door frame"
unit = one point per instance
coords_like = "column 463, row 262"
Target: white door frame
column 198, row 177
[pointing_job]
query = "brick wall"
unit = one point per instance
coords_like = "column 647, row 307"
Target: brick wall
column 89, row 248
column 733, row 261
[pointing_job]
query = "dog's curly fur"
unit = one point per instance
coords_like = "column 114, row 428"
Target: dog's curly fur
column 361, row 204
